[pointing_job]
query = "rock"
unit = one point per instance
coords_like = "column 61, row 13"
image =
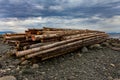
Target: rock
column 8, row 78
column 79, row 55
column 118, row 72
column 110, row 78
column 116, row 79
column 35, row 66
column 25, row 79
column 16, row 62
column 42, row 73
column 0, row 65
column 26, row 71
column 112, row 65
column 105, row 44
column 96, row 46
column 18, row 68
column 25, row 62
column 84, row 49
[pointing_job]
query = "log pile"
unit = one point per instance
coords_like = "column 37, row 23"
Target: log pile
column 51, row 42
column 114, row 44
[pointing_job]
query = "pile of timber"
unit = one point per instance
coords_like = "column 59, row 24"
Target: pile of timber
column 51, row 42
column 114, row 44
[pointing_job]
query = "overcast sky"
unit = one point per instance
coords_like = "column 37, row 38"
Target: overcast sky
column 18, row 15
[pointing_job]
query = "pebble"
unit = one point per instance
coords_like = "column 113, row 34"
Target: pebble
column 24, row 62
column 0, row 66
column 34, row 66
column 110, row 78
column 18, row 68
column 112, row 65
column 116, row 79
column 79, row 55
column 84, row 49
column 118, row 72
column 97, row 46
column 8, row 78
column 105, row 44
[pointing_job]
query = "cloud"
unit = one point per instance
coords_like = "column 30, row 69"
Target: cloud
column 94, row 22
column 44, row 8
column 19, row 15
column 58, row 8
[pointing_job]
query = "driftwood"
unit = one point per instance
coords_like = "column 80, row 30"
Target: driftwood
column 113, row 48
column 115, row 44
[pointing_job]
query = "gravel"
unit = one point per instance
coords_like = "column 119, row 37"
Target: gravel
column 96, row 64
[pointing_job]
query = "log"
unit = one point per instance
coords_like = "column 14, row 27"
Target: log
column 25, row 52
column 62, row 29
column 35, row 45
column 39, row 37
column 61, row 52
column 114, row 48
column 14, row 37
column 47, row 46
column 75, row 36
column 54, row 29
column 15, row 34
column 46, row 36
column 115, row 44
column 22, row 44
column 50, row 40
column 55, row 49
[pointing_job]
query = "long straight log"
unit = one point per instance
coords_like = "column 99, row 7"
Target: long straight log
column 35, row 45
column 115, row 44
column 75, row 36
column 55, row 29
column 21, row 53
column 114, row 48
column 62, row 29
column 52, row 50
column 38, row 37
column 45, row 36
column 66, row 50
column 25, row 52
column 14, row 37
column 15, row 34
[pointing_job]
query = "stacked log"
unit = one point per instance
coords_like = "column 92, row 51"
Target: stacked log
column 62, row 47
column 51, row 42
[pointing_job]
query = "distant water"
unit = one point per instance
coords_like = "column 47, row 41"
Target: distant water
column 115, row 35
column 3, row 32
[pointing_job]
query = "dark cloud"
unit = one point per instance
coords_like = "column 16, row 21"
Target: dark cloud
column 35, row 8
column 90, row 14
